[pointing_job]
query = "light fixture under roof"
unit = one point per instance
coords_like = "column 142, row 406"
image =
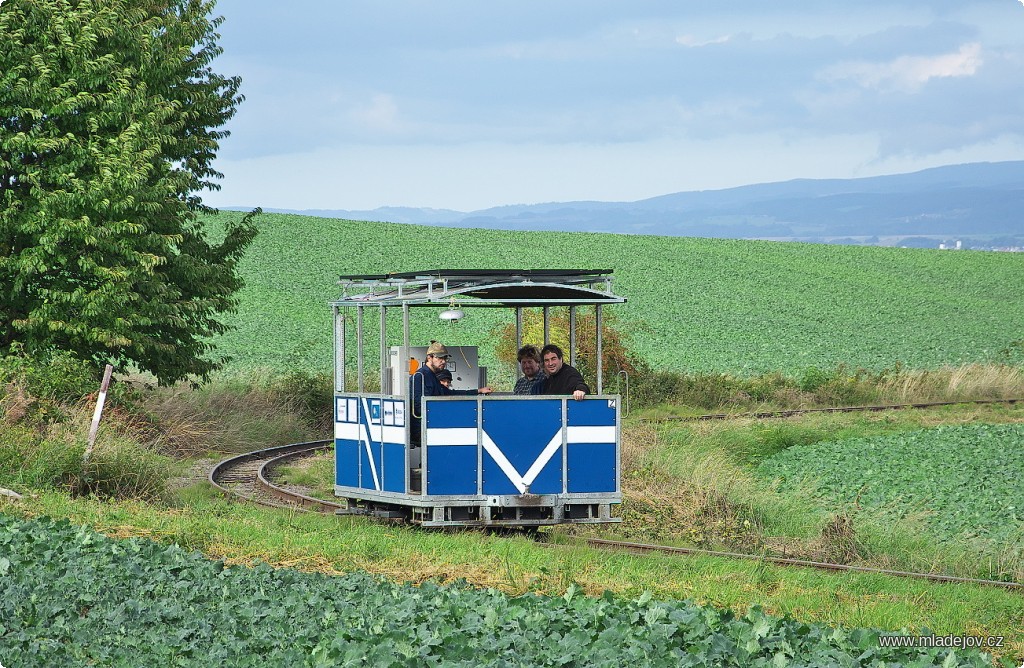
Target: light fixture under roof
column 451, row 314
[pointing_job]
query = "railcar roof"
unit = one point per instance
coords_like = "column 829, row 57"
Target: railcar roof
column 480, row 287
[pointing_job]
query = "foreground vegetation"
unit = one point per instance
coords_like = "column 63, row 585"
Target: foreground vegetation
column 685, row 482
column 71, row 596
column 697, row 305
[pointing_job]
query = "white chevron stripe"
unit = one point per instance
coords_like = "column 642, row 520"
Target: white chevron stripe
column 365, row 438
column 503, row 463
column 553, row 446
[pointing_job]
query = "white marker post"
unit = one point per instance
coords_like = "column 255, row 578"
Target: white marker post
column 99, row 411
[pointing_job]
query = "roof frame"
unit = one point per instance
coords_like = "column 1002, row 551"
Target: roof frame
column 480, row 288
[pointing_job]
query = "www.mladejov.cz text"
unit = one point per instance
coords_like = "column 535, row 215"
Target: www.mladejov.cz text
column 948, row 640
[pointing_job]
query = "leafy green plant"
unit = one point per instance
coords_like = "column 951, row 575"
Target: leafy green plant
column 966, row 477
column 70, row 596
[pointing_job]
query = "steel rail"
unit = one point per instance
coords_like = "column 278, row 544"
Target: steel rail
column 788, row 561
column 831, row 409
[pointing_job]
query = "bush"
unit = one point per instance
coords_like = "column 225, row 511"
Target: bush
column 311, row 395
column 57, row 376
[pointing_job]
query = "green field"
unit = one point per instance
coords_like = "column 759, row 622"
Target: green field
column 719, row 305
column 157, row 605
column 966, row 481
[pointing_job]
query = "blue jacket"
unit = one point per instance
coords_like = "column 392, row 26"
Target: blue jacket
column 425, row 383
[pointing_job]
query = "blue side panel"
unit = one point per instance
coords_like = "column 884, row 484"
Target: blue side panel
column 592, row 467
column 394, row 468
column 451, row 414
column 452, row 469
column 346, row 441
column 521, row 431
column 550, row 479
column 590, row 413
column 346, row 463
column 451, row 462
column 366, row 479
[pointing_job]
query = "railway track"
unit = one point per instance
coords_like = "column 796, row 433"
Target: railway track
column 248, row 476
column 837, row 409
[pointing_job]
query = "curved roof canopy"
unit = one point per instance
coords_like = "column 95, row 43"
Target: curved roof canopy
column 480, row 287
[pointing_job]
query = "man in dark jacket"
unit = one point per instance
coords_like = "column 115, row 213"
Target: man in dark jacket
column 425, row 383
column 562, row 378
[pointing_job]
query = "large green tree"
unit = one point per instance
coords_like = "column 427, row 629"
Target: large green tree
column 110, row 119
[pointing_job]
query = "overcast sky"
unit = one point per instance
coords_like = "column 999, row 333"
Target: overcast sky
column 356, row 104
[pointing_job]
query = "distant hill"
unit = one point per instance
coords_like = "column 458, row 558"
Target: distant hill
column 980, row 204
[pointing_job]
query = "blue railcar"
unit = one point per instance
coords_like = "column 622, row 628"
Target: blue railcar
column 494, row 460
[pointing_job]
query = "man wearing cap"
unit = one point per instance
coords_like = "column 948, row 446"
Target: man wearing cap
column 426, row 383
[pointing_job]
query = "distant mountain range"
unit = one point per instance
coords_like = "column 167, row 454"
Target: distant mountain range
column 979, row 204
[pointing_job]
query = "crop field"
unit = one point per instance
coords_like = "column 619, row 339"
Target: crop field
column 70, row 596
column 967, row 482
column 718, row 305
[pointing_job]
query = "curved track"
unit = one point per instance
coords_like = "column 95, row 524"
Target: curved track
column 247, row 476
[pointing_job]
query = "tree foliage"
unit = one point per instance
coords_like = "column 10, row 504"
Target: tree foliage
column 110, row 118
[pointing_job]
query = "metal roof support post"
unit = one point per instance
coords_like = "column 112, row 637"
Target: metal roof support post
column 572, row 336
column 405, row 349
column 597, row 317
column 519, row 337
column 547, row 327
column 383, row 351
column 359, row 349
column 339, row 350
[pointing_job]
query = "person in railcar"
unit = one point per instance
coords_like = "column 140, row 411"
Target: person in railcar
column 425, row 382
column 529, row 362
column 561, row 377
column 444, row 376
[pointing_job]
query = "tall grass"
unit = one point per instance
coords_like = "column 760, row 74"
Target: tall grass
column 50, row 454
column 665, row 391
column 237, row 413
column 146, row 431
column 970, row 381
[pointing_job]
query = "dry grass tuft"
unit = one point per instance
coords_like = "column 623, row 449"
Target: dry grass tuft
column 222, row 419
column 697, row 509
column 966, row 382
column 14, row 403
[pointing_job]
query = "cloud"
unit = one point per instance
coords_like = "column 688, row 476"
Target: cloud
column 379, row 114
column 693, row 42
column 909, row 73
